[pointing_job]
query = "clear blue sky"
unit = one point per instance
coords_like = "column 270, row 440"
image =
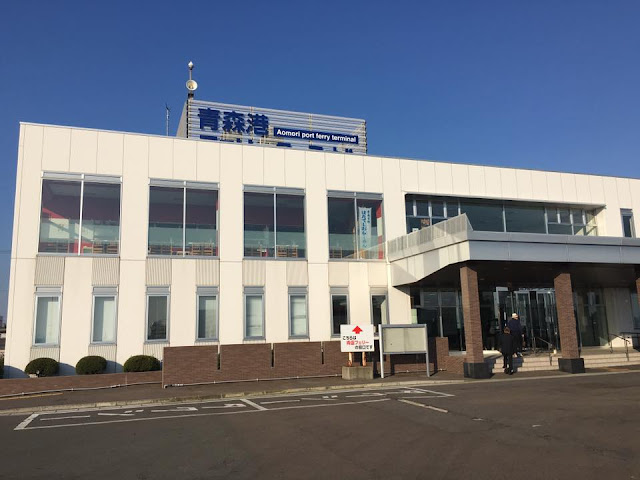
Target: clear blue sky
column 550, row 84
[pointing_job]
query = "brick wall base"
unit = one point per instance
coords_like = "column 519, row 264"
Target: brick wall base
column 17, row 386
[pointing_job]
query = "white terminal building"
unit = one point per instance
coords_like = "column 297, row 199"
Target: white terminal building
column 264, row 226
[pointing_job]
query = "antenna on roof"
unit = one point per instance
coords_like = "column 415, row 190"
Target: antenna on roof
column 168, row 112
column 192, row 85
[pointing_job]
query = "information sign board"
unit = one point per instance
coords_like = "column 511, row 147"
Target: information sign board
column 356, row 338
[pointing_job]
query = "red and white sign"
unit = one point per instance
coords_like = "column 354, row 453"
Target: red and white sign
column 356, row 338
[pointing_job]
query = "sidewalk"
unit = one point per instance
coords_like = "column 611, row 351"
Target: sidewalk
column 145, row 394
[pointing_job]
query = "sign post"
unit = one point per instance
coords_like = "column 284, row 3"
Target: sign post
column 357, row 338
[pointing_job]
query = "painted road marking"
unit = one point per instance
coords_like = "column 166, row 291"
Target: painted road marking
column 64, row 418
column 177, row 409
column 22, row 425
column 230, row 405
column 324, row 397
column 366, row 395
column 430, row 407
column 254, row 405
column 117, row 414
column 186, row 415
column 279, row 401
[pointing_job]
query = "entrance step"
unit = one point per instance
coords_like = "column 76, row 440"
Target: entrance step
column 541, row 362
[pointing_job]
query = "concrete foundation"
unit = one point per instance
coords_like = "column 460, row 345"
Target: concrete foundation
column 357, row 373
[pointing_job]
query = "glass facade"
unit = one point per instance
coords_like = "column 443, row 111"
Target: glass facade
column 356, row 227
column 207, row 317
column 157, row 317
column 104, row 319
column 441, row 311
column 61, row 218
column 47, row 328
column 274, row 225
column 499, row 216
column 183, row 221
column 591, row 314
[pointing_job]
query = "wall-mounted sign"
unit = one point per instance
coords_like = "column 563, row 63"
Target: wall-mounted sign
column 240, row 124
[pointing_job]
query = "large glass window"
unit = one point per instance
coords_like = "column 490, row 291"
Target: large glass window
column 274, row 224
column 47, row 323
column 71, row 206
column 183, row 220
column 253, row 315
column 298, row 322
column 356, row 227
column 628, row 228
column 499, row 216
column 339, row 312
column 157, row 317
column 441, row 311
column 207, row 315
column 635, row 310
column 591, row 314
column 104, row 319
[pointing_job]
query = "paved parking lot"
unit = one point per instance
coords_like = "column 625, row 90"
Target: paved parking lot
column 571, row 427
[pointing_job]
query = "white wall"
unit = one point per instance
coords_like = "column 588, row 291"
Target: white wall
column 137, row 158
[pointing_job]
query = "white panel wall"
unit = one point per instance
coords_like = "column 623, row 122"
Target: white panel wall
column 231, row 203
column 477, row 186
column 372, row 174
column 184, row 159
column 132, row 306
column 334, row 175
column 492, row 182
column 183, row 308
column 427, row 177
column 276, row 302
column 444, row 178
column 160, row 157
column 354, row 173
column 316, row 204
column 409, row 175
column 460, row 174
column 524, row 184
column 28, row 195
column 359, row 301
column 569, row 192
column 110, row 153
column 393, row 203
column 77, row 298
column 84, row 151
column 294, row 169
column 319, row 303
column 231, row 303
column 56, row 150
column 208, row 161
column 252, row 165
column 135, row 191
column 274, row 166
column 508, row 182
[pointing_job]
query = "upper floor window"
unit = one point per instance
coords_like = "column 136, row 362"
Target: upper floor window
column 499, row 216
column 183, row 218
column 80, row 214
column 628, row 229
column 274, row 222
column 356, row 226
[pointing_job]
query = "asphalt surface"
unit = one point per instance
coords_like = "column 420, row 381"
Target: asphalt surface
column 568, row 427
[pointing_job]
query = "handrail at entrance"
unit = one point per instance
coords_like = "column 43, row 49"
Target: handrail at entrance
column 626, row 343
column 549, row 344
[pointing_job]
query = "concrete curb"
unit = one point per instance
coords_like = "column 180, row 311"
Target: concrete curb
column 219, row 396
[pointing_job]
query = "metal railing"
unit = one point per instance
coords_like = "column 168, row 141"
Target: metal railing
column 550, row 347
column 626, row 343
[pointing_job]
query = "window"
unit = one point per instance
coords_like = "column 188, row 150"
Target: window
column 379, row 309
column 525, row 219
column 157, row 314
column 574, row 221
column 298, row 321
column 183, row 219
column 426, row 211
column 484, row 216
column 339, row 311
column 628, row 228
column 253, row 313
column 274, row 223
column 80, row 214
column 356, row 227
column 104, row 315
column 47, row 321
column 207, row 313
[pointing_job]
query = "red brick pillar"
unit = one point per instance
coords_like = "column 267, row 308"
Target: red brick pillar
column 474, row 365
column 570, row 361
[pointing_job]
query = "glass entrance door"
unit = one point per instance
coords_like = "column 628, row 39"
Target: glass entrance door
column 537, row 311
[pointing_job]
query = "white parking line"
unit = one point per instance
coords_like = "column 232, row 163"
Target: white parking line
column 366, row 395
column 230, row 405
column 416, row 404
column 254, row 405
column 64, row 418
column 26, row 421
column 279, row 401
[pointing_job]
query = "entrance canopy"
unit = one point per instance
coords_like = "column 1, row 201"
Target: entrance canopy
column 421, row 254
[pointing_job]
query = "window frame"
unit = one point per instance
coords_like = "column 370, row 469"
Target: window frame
column 298, row 292
column 358, row 196
column 338, row 292
column 275, row 191
column 82, row 178
column 208, row 292
column 185, row 185
column 253, row 292
column 628, row 213
column 378, row 292
column 157, row 292
column 104, row 292
column 47, row 292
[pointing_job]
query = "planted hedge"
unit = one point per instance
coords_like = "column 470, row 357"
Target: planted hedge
column 142, row 363
column 42, row 367
column 91, row 365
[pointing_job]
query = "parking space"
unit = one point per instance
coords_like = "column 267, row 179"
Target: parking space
column 74, row 418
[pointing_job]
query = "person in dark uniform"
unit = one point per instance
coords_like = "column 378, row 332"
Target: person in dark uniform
column 508, row 349
column 516, row 332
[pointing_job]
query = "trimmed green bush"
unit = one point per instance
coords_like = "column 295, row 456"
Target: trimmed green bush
column 91, row 365
column 42, row 367
column 142, row 363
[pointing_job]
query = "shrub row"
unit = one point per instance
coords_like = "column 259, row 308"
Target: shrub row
column 90, row 365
